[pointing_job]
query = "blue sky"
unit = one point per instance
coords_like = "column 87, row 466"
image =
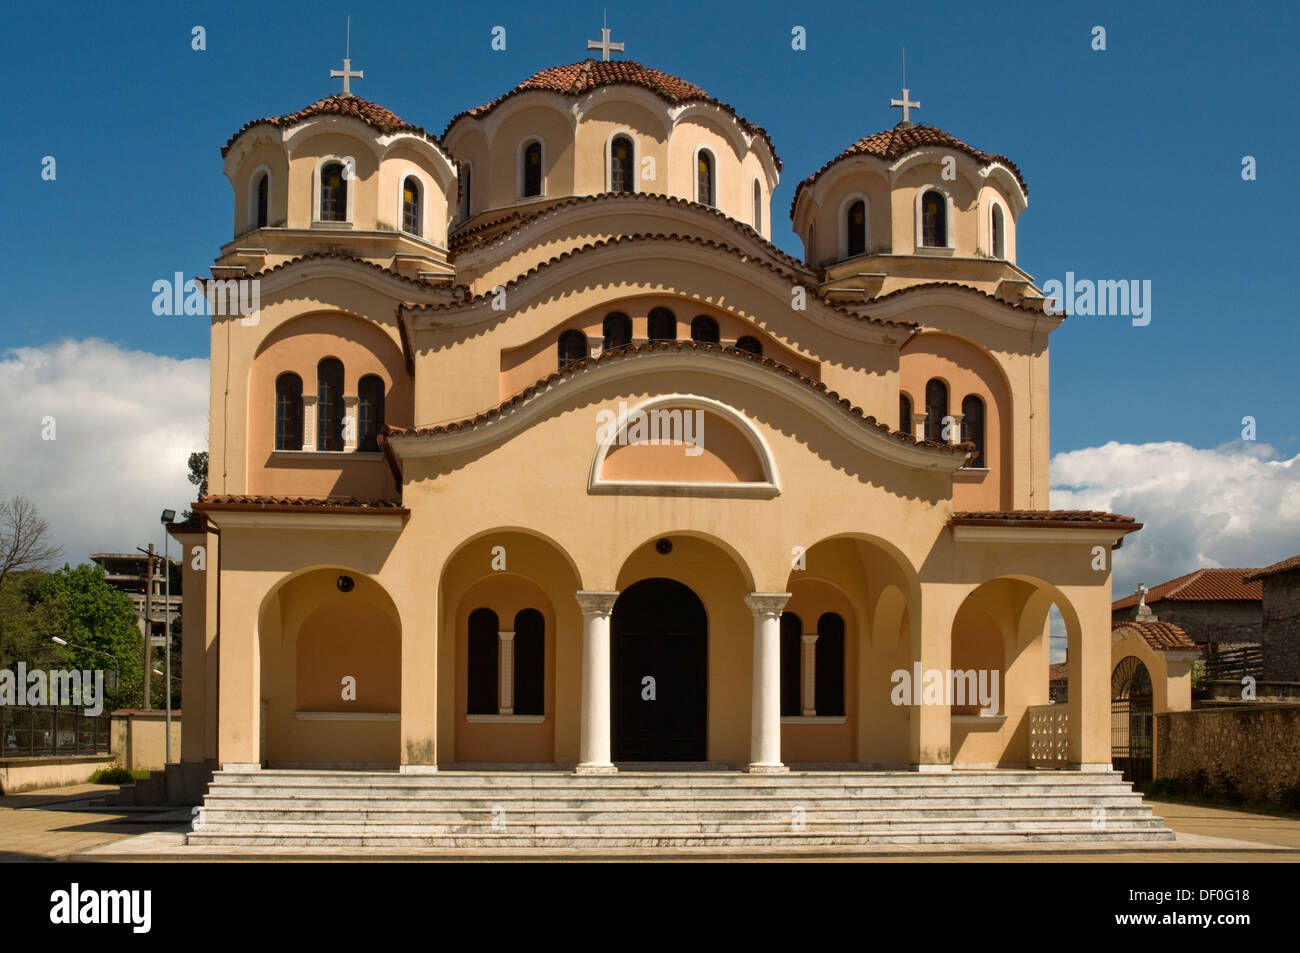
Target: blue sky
column 1132, row 155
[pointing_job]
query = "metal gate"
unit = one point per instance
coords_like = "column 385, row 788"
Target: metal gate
column 1131, row 721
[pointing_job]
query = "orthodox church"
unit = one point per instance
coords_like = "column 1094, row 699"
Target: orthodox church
column 538, row 453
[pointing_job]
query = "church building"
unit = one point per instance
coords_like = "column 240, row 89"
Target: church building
column 536, row 452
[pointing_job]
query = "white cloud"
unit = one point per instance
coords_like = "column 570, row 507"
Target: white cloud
column 1237, row 505
column 125, row 422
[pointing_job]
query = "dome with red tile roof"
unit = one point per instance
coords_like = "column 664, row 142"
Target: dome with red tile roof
column 372, row 114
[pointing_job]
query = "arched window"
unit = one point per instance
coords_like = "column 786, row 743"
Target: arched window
column 791, row 664
column 329, row 404
column 333, row 193
column 617, row 329
column 810, row 251
column 705, row 329
column 936, row 408
column 530, row 663
column 484, row 635
column 972, row 428
column 704, row 191
column 758, row 207
column 855, row 224
column 934, row 219
column 904, row 413
column 411, row 205
column 370, row 411
column 620, row 165
column 828, row 688
column 751, row 344
column 466, row 183
column 263, row 200
column 532, row 171
column 995, row 233
column 288, row 412
column 661, row 325
column 573, row 348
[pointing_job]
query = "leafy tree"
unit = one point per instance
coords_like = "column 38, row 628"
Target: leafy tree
column 26, row 550
column 198, row 475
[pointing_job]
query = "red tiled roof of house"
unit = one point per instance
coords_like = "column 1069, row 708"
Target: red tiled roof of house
column 578, row 79
column 1058, row 672
column 635, row 350
column 1285, row 565
column 891, row 144
column 372, row 114
column 1201, row 585
column 352, row 504
column 1161, row 636
column 1081, row 519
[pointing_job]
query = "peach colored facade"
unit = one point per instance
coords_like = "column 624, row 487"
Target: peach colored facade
column 827, row 545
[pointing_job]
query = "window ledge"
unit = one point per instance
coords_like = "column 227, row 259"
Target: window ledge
column 326, row 454
column 348, row 715
column 505, row 719
column 937, row 251
column 814, row 719
column 327, row 225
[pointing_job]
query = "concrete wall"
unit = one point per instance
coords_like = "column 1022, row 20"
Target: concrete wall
column 1255, row 749
column 1282, row 627
column 32, row 774
column 138, row 739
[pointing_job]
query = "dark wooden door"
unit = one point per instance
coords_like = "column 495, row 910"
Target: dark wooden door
column 659, row 632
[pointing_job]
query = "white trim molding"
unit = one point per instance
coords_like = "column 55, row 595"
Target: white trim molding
column 350, row 180
column 918, row 237
column 609, row 158
column 422, row 201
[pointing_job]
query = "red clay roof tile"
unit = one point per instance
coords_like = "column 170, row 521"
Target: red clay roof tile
column 1161, row 636
column 1201, row 585
column 1286, row 565
column 372, row 114
column 1048, row 518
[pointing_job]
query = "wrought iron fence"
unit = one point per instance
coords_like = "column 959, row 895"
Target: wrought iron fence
column 34, row 731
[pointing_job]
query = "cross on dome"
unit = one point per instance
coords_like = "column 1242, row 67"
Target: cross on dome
column 905, row 103
column 347, row 72
column 605, row 46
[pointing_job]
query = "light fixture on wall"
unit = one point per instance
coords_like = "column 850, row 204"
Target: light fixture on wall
column 345, row 583
column 664, row 546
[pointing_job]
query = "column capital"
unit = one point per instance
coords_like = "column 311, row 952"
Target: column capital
column 766, row 603
column 810, row 638
column 506, row 636
column 596, row 601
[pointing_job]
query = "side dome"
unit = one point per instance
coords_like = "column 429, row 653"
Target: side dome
column 911, row 190
column 610, row 127
column 341, row 172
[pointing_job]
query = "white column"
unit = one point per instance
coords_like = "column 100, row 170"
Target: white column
column 350, row 422
column 309, row 421
column 918, row 424
column 594, row 737
column 954, row 437
column 765, row 720
column 507, row 655
column 810, row 673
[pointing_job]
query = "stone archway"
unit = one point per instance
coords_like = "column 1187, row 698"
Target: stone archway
column 659, row 673
column 1131, row 720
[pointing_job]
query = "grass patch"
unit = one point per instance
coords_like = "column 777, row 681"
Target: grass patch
column 116, row 775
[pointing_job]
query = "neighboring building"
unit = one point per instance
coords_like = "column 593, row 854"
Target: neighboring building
column 141, row 578
column 437, row 533
column 1281, row 582
column 1211, row 605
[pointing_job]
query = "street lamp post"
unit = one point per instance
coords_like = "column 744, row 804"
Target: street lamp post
column 86, row 648
column 168, row 516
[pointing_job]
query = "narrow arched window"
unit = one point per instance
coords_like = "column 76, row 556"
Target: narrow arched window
column 661, row 325
column 972, row 428
column 704, row 191
column 617, row 328
column 758, row 207
column 573, row 348
column 484, row 634
column 855, row 224
column 263, row 200
column 530, row 663
column 333, row 193
column 995, row 233
column 288, row 412
column 532, row 169
column 466, row 183
column 936, row 408
column 751, row 344
column 791, row 664
column 810, row 252
column 904, row 413
column 370, row 412
column 934, row 219
column 620, row 165
column 705, row 329
column 329, row 404
column 411, row 205
column 828, row 680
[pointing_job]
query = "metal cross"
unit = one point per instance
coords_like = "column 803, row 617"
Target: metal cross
column 604, row 45
column 347, row 72
column 904, row 103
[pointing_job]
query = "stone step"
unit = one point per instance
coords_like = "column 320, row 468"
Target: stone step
column 666, row 780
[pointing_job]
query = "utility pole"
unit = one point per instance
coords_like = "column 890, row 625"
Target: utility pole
column 148, row 634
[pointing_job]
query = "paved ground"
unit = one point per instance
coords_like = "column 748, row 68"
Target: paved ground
column 65, row 823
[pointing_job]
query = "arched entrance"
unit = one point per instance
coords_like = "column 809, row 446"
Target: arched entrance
column 659, row 673
column 1130, row 720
